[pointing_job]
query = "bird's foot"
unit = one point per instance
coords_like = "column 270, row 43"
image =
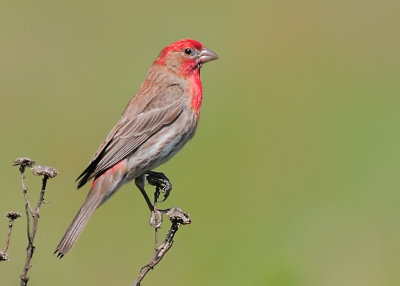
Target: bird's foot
column 161, row 182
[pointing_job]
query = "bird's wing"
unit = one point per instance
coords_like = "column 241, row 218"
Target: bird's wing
column 132, row 131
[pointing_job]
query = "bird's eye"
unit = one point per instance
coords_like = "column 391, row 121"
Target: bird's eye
column 188, row 51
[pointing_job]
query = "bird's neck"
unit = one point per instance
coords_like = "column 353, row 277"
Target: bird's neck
column 195, row 88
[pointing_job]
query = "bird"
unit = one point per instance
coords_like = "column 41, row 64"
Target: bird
column 157, row 122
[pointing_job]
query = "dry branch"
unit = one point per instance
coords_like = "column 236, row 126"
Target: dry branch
column 177, row 218
column 11, row 217
column 47, row 173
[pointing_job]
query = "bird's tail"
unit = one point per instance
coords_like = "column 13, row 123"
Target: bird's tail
column 102, row 188
column 78, row 224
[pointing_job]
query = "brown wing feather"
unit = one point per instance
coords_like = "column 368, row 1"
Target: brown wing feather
column 132, row 131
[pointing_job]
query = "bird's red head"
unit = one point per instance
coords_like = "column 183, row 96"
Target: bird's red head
column 185, row 57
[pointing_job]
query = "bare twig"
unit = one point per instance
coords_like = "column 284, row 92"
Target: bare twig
column 177, row 218
column 24, row 162
column 47, row 173
column 11, row 217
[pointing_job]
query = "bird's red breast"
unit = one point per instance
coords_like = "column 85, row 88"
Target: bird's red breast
column 196, row 91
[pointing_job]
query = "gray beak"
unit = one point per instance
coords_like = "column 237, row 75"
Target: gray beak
column 207, row 55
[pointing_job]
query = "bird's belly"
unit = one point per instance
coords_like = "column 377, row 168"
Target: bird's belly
column 161, row 147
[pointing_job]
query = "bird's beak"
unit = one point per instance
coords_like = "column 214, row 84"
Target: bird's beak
column 207, row 55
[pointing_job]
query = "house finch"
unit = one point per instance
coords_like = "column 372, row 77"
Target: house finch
column 156, row 123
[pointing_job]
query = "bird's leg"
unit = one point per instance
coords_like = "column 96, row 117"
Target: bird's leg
column 156, row 215
column 139, row 181
column 161, row 182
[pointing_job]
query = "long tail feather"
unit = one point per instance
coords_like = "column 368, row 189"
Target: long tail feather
column 102, row 188
column 78, row 224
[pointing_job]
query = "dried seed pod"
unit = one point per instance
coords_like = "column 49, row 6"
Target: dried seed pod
column 23, row 161
column 12, row 215
column 47, row 171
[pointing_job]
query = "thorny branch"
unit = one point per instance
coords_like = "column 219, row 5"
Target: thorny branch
column 11, row 217
column 47, row 173
column 177, row 218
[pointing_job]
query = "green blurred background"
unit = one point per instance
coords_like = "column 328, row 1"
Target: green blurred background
column 292, row 178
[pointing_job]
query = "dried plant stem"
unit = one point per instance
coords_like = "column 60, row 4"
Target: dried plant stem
column 28, row 206
column 177, row 218
column 31, row 231
column 47, row 173
column 10, row 226
column 11, row 216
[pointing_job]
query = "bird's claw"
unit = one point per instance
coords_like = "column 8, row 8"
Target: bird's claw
column 161, row 182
